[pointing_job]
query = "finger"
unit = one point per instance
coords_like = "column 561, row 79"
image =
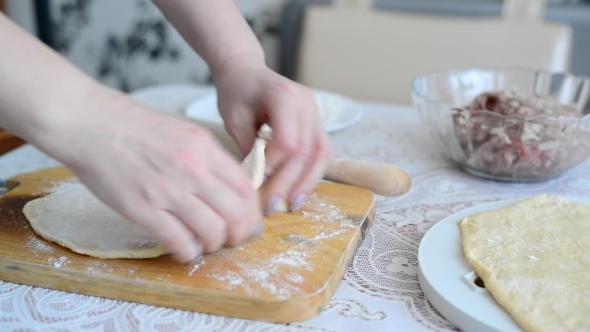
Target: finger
column 304, row 151
column 226, row 169
column 208, row 227
column 215, row 164
column 296, row 148
column 176, row 237
column 241, row 215
column 284, row 121
column 242, row 127
column 309, row 179
column 278, row 185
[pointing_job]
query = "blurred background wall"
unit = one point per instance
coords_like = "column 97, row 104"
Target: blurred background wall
column 128, row 45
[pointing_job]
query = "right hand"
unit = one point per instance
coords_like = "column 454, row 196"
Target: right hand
column 161, row 172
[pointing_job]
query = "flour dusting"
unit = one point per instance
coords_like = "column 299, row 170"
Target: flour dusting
column 281, row 274
column 55, row 186
column 58, row 262
column 324, row 212
column 37, row 245
column 295, row 278
column 101, row 267
column 263, row 276
column 200, row 261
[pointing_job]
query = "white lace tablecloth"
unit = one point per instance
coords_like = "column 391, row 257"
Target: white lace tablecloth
column 380, row 290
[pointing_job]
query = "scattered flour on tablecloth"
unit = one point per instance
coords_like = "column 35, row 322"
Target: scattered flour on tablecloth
column 268, row 273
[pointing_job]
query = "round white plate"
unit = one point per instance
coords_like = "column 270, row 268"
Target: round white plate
column 171, row 98
column 447, row 279
column 338, row 112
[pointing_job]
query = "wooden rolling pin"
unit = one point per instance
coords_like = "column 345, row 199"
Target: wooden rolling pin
column 382, row 179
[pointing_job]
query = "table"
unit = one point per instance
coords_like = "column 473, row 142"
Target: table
column 380, row 291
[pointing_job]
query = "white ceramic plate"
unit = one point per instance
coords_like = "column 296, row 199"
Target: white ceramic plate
column 447, row 279
column 338, row 112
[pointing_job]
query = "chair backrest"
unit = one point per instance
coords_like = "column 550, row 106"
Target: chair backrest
column 350, row 48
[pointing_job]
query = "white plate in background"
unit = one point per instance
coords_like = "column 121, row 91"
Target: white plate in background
column 338, row 112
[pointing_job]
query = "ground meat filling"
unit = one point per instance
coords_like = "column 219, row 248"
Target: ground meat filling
column 507, row 134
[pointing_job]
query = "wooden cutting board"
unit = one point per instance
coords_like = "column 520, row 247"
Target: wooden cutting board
column 288, row 274
column 8, row 141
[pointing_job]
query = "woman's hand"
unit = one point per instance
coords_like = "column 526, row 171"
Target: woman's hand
column 161, row 172
column 250, row 95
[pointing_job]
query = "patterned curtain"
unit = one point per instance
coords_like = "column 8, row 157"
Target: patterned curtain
column 127, row 44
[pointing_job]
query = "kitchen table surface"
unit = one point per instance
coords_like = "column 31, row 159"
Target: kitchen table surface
column 380, row 291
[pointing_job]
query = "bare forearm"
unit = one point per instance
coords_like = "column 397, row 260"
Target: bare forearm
column 40, row 92
column 215, row 29
column 36, row 84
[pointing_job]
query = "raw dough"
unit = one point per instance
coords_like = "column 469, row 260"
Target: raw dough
column 255, row 164
column 73, row 217
column 534, row 258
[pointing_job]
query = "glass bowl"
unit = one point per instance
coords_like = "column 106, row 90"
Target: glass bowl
column 508, row 124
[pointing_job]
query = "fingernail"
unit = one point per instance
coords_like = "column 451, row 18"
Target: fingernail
column 297, row 202
column 258, row 230
column 271, row 203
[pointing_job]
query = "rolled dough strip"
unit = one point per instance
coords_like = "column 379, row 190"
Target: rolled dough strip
column 255, row 164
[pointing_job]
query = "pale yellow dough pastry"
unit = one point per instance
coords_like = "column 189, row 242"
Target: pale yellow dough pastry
column 74, row 218
column 534, row 258
column 255, row 163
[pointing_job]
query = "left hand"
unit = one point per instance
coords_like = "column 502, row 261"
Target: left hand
column 250, row 95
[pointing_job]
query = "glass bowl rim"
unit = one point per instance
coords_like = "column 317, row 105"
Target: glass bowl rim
column 417, row 94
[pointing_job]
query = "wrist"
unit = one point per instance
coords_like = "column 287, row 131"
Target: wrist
column 236, row 63
column 63, row 126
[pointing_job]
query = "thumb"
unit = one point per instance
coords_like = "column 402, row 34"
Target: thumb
column 242, row 129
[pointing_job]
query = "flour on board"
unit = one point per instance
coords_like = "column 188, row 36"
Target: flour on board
column 58, row 262
column 37, row 245
column 100, row 267
column 200, row 261
column 268, row 274
column 53, row 185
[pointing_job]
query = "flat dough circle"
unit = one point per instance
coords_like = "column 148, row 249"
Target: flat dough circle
column 74, row 218
column 534, row 258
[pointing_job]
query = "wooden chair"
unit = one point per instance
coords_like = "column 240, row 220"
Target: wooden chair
column 352, row 49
